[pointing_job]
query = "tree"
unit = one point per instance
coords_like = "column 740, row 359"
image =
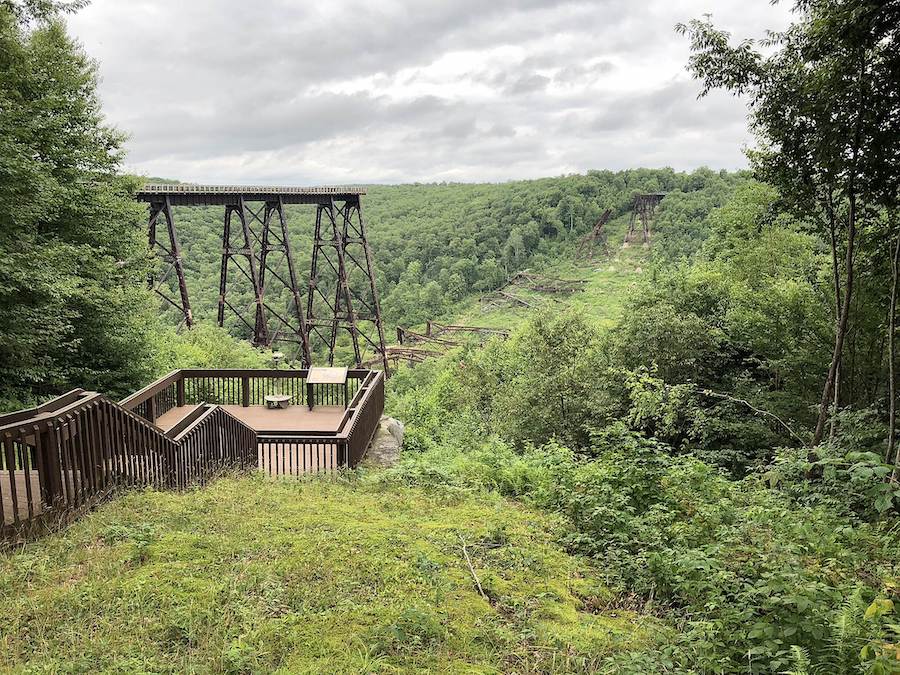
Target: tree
column 824, row 105
column 73, row 263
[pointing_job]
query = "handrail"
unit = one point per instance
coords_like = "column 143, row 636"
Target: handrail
column 191, row 422
column 47, row 406
column 85, row 399
column 188, row 420
column 82, row 451
column 81, row 445
column 363, row 394
column 173, row 377
column 190, row 188
column 147, row 392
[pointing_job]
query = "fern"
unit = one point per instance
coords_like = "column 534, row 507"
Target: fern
column 847, row 634
column 800, row 661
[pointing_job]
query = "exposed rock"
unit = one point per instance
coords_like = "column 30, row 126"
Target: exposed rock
column 384, row 450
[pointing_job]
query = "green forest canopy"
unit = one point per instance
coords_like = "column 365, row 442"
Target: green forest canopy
column 436, row 244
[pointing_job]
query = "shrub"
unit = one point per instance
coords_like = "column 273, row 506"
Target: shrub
column 749, row 575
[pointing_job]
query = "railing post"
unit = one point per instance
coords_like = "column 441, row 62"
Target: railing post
column 245, row 391
column 151, row 409
column 49, row 469
column 179, row 392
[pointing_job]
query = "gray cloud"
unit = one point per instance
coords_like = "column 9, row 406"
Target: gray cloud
column 349, row 90
column 527, row 84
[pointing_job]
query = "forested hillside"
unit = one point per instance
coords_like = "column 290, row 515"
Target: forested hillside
column 435, row 245
column 74, row 306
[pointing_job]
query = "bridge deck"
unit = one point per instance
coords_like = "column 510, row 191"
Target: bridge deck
column 200, row 195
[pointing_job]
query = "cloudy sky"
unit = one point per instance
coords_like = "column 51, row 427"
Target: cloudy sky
column 334, row 91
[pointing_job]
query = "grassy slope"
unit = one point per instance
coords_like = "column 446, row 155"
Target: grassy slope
column 311, row 576
column 611, row 278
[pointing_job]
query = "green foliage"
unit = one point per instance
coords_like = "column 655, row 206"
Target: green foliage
column 438, row 245
column 252, row 575
column 758, row 568
column 204, row 347
column 72, row 260
column 850, row 470
column 823, row 103
column 748, row 574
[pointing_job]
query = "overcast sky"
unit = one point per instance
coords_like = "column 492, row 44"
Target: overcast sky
column 340, row 91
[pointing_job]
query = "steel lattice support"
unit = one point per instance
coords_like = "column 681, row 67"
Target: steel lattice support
column 643, row 208
column 237, row 246
column 257, row 257
column 290, row 323
column 170, row 256
column 260, row 253
column 346, row 297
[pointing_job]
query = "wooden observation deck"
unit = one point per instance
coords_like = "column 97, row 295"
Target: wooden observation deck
column 58, row 459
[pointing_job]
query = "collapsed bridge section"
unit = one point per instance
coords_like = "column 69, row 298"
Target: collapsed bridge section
column 341, row 293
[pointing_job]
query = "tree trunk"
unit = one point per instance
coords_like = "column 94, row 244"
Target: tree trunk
column 840, row 330
column 836, row 402
column 836, row 269
column 892, row 406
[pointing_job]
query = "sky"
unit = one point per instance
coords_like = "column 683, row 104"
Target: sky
column 384, row 91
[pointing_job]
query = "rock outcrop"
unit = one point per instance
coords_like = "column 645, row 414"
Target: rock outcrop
column 384, row 450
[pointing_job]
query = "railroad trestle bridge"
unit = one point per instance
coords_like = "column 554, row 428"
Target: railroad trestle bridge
column 340, row 295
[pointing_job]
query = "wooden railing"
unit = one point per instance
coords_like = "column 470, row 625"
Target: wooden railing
column 56, row 463
column 289, row 453
column 236, row 387
column 60, row 458
column 213, row 442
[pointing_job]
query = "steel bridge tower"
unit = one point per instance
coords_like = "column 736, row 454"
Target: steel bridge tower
column 643, row 208
column 258, row 263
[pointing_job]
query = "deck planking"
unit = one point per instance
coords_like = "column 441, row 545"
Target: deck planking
column 298, row 418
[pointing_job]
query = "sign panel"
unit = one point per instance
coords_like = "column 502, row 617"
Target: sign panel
column 327, row 376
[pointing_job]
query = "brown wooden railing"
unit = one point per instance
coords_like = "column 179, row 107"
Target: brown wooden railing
column 235, row 387
column 288, row 453
column 59, row 461
column 60, row 458
column 213, row 442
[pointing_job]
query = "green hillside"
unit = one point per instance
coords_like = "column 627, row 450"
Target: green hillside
column 437, row 248
column 690, row 465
